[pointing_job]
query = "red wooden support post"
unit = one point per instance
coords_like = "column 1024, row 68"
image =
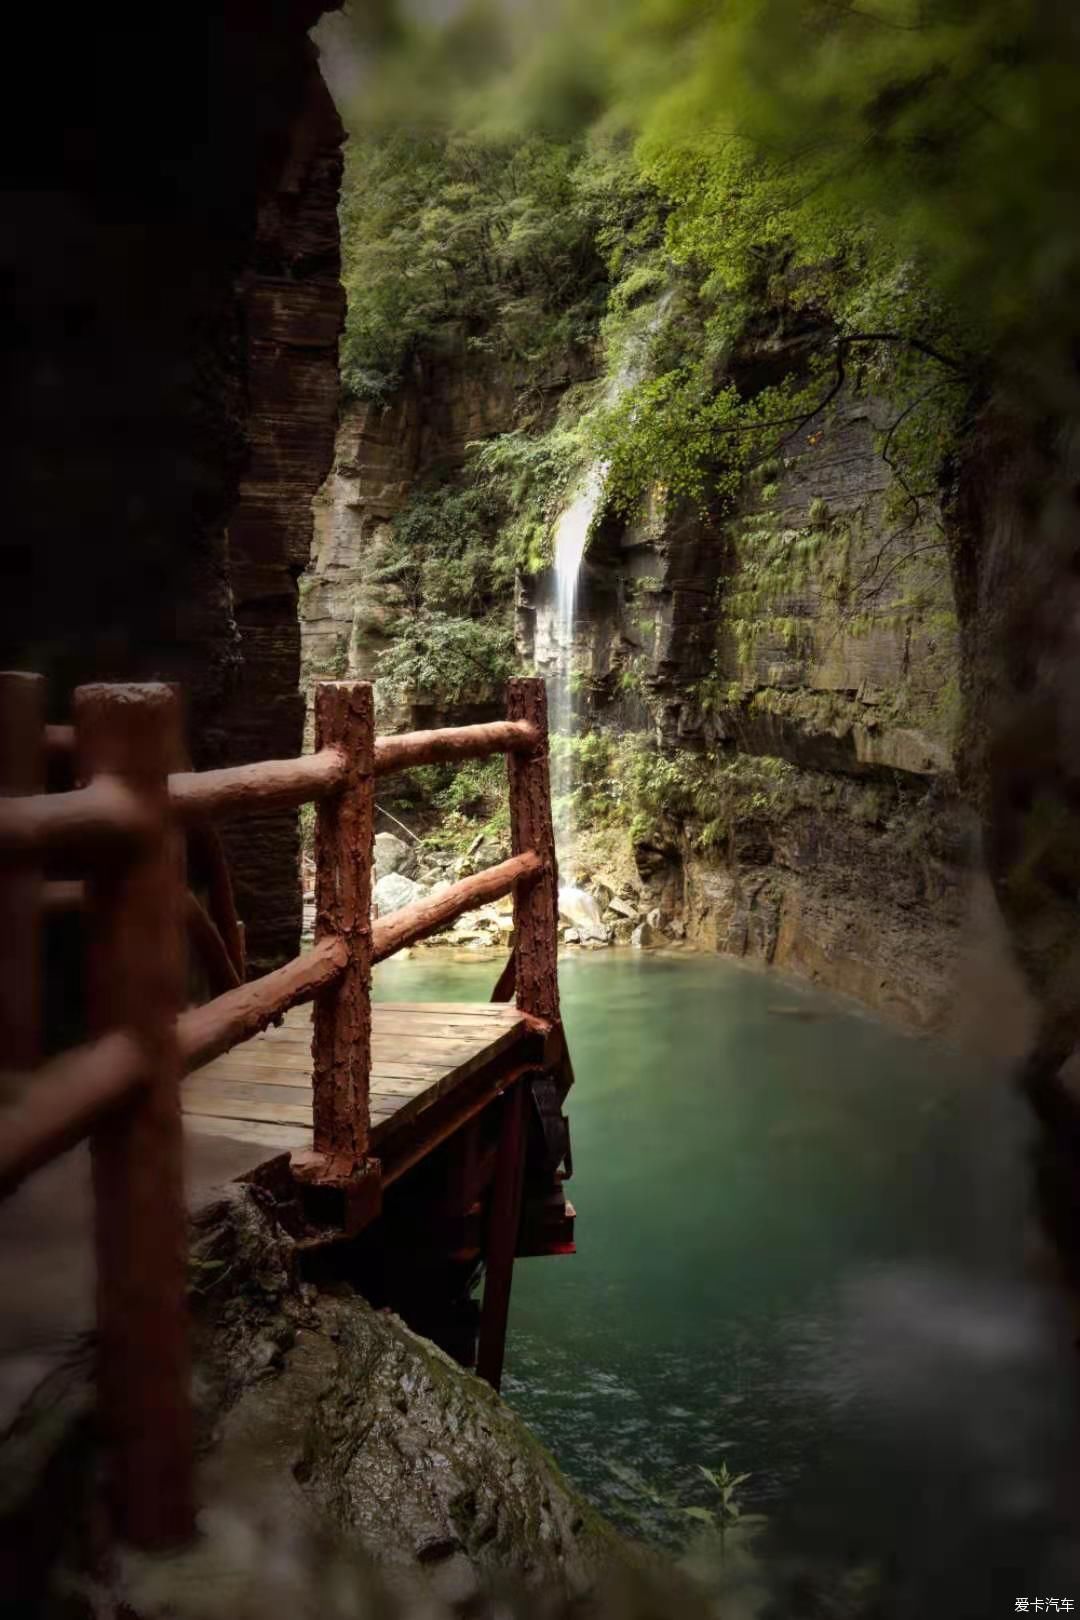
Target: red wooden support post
column 504, row 1220
column 22, row 771
column 136, row 982
column 536, row 904
column 536, row 934
column 344, row 853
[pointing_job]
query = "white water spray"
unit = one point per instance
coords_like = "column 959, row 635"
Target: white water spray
column 570, row 539
column 571, row 535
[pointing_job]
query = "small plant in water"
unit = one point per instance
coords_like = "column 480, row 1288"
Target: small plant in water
column 724, row 1523
column 725, row 1517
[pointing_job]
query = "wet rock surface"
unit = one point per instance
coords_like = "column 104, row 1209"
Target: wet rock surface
column 331, row 1437
column 393, row 891
column 393, row 854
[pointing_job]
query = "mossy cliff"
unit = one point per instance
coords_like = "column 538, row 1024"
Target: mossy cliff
column 767, row 699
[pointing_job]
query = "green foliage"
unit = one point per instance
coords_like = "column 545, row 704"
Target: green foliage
column 469, row 801
column 723, row 1522
column 306, row 823
column 476, row 788
column 619, row 780
column 532, row 474
column 448, row 586
column 441, row 554
column 453, row 659
column 455, row 242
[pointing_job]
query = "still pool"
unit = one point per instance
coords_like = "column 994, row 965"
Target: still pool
column 806, row 1249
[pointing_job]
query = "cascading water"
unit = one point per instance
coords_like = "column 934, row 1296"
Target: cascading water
column 570, row 539
column 571, row 534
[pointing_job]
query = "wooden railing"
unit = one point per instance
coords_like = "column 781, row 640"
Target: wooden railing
column 123, row 831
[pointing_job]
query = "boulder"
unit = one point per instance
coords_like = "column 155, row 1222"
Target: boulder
column 346, row 1465
column 579, row 908
column 392, row 854
column 622, row 908
column 644, row 937
column 394, row 891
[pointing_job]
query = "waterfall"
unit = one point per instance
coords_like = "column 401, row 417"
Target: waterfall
column 569, row 540
column 571, row 534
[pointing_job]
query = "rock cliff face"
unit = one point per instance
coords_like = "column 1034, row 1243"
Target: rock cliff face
column 839, row 658
column 175, row 304
column 293, row 307
column 345, row 1464
column 383, row 455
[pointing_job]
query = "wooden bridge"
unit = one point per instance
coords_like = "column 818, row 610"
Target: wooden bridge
column 412, row 1144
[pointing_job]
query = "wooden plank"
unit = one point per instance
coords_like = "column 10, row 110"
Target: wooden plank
column 478, row 1009
column 294, row 1074
column 298, row 1019
column 442, row 1060
column 406, row 1111
column 270, row 1113
column 250, row 1091
column 289, row 1074
column 452, row 1023
column 282, row 1138
column 450, row 1041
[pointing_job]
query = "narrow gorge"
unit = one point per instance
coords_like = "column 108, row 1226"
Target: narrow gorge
column 765, row 702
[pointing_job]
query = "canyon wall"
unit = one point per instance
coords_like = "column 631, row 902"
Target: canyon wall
column 385, row 454
column 844, row 666
column 845, row 669
column 172, row 254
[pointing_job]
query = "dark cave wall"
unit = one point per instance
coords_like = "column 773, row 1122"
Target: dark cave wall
column 170, row 258
column 294, row 308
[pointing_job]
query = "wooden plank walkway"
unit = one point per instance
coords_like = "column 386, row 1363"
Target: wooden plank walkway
column 261, row 1091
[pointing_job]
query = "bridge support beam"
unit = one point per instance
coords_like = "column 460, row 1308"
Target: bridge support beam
column 504, row 1221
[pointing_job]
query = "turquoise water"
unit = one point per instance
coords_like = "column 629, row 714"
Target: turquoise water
column 805, row 1249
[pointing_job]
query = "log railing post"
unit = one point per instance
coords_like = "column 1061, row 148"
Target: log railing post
column 135, row 968
column 22, row 766
column 536, row 903
column 344, row 852
column 536, row 946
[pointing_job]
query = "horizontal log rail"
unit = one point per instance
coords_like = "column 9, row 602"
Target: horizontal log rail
column 102, row 817
column 453, row 743
column 272, row 784
column 122, row 855
column 206, row 1032
column 61, row 1103
column 415, row 922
